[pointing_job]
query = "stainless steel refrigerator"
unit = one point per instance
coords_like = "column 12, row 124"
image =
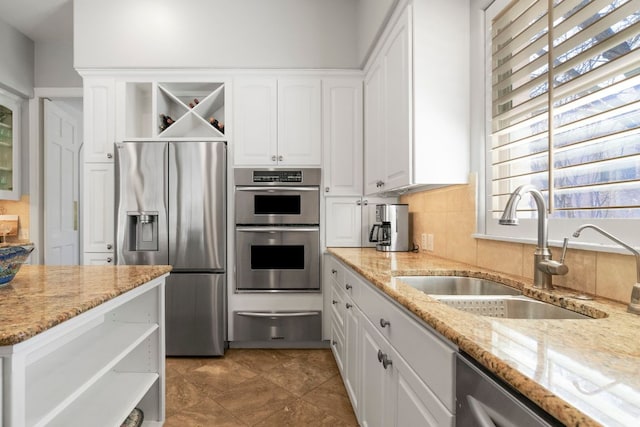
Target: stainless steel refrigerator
column 171, row 209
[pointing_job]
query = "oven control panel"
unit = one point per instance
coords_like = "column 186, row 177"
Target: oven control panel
column 277, row 176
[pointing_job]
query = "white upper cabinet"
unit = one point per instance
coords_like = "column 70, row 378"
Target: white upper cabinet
column 299, row 121
column 277, row 121
column 99, row 119
column 416, row 91
column 342, row 136
column 9, row 146
column 255, row 108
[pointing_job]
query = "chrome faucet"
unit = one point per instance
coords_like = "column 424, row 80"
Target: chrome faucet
column 543, row 266
column 634, row 304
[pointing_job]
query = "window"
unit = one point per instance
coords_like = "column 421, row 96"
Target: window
column 564, row 84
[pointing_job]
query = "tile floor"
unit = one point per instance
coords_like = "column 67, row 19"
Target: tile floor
column 256, row 387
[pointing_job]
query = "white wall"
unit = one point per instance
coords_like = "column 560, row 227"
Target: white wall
column 16, row 66
column 371, row 15
column 54, row 65
column 215, row 34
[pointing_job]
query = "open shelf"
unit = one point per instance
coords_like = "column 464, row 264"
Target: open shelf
column 191, row 106
column 56, row 382
column 109, row 402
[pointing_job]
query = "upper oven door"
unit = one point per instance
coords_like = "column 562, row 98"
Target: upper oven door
column 277, row 205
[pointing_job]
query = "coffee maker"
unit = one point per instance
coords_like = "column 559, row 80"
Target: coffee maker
column 391, row 230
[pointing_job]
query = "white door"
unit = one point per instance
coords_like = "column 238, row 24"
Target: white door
column 61, row 186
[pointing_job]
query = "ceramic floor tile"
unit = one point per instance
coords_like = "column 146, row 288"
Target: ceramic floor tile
column 301, row 413
column 205, row 413
column 255, row 400
column 299, row 376
column 265, row 387
column 332, row 397
column 258, row 360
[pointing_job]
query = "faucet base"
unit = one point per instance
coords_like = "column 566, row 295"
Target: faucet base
column 634, row 305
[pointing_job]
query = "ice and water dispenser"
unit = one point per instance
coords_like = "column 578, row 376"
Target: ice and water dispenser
column 142, row 231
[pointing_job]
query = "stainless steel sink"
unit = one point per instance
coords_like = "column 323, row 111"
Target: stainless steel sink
column 511, row 307
column 457, row 285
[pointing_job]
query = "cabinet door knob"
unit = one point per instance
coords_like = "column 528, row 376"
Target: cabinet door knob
column 384, row 323
column 327, row 189
column 358, row 203
column 109, row 260
column 334, row 271
column 386, row 361
column 334, row 302
column 109, row 155
column 380, row 355
column 348, row 286
column 348, row 305
column 280, row 158
column 365, row 202
column 273, row 158
column 109, row 246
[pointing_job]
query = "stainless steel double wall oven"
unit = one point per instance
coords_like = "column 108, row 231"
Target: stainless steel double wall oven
column 277, row 215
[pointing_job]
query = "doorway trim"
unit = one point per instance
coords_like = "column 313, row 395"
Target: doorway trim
column 36, row 163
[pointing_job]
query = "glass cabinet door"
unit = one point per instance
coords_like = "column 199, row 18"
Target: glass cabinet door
column 9, row 146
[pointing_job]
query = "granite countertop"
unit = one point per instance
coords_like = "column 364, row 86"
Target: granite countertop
column 40, row 296
column 583, row 372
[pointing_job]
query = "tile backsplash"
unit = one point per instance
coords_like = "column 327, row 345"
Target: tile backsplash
column 20, row 208
column 449, row 213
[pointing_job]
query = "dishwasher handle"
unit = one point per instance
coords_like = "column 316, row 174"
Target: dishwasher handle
column 277, row 314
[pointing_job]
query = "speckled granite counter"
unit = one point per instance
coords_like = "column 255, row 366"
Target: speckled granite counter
column 41, row 297
column 583, row 372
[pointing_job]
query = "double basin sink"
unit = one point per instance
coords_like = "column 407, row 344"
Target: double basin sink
column 486, row 297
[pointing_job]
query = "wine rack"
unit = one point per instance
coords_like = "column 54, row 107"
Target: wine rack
column 193, row 110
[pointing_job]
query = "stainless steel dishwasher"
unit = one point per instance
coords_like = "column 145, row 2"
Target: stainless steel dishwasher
column 485, row 401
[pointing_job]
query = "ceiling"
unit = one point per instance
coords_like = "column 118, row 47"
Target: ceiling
column 40, row 20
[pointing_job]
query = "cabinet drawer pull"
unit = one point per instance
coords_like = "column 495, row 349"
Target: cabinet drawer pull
column 109, row 156
column 348, row 286
column 334, row 302
column 380, row 355
column 109, row 260
column 109, row 246
column 348, row 305
column 334, row 271
column 384, row 323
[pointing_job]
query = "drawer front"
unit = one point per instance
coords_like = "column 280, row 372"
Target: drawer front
column 425, row 352
column 337, row 346
column 333, row 269
column 337, row 306
column 352, row 285
column 277, row 326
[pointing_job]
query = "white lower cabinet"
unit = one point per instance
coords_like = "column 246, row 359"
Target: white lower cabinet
column 397, row 371
column 92, row 369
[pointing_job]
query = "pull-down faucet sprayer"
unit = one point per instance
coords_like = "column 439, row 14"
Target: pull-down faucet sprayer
column 543, row 266
column 634, row 304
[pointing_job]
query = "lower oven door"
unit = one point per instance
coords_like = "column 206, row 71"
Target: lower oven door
column 277, row 259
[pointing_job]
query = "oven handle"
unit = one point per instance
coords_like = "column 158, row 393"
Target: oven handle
column 296, row 314
column 260, row 229
column 272, row 189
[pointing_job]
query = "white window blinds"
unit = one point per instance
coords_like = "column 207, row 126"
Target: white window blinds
column 565, row 84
